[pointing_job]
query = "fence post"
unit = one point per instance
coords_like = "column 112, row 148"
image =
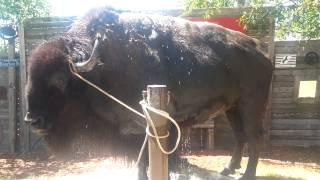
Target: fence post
column 12, row 97
column 24, row 129
column 157, row 97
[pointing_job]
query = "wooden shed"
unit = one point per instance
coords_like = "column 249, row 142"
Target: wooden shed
column 296, row 94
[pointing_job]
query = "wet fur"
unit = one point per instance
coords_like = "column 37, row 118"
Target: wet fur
column 208, row 69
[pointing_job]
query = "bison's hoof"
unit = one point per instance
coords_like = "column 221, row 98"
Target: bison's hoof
column 227, row 171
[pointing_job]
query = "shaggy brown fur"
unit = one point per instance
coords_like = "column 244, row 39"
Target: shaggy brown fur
column 209, row 70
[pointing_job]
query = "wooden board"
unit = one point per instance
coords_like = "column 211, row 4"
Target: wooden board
column 295, row 124
column 24, row 129
column 12, row 99
column 302, row 143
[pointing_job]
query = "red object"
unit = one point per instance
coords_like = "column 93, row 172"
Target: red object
column 228, row 22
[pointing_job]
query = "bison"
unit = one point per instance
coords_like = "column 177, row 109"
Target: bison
column 208, row 69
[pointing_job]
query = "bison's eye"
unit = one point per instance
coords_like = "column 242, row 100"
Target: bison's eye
column 59, row 80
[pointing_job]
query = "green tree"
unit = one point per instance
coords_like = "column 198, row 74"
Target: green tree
column 18, row 10
column 13, row 12
column 297, row 18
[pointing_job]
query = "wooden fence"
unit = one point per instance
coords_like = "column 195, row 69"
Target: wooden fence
column 295, row 121
column 8, row 100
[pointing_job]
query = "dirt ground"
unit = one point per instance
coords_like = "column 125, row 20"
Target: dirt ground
column 277, row 163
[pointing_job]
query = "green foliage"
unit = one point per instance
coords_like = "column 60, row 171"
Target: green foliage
column 209, row 5
column 18, row 10
column 295, row 18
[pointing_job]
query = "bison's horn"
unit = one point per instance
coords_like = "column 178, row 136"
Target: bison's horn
column 93, row 60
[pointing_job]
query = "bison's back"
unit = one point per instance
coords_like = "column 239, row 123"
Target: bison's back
column 202, row 63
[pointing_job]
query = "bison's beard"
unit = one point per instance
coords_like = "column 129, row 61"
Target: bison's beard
column 79, row 133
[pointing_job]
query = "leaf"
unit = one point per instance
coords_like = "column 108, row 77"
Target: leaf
column 299, row 18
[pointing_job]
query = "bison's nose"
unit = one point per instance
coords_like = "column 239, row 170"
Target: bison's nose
column 34, row 120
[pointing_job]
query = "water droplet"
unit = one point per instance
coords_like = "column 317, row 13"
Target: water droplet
column 189, row 73
column 181, row 58
column 179, row 82
column 153, row 34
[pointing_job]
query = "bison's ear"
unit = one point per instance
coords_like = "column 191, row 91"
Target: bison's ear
column 59, row 80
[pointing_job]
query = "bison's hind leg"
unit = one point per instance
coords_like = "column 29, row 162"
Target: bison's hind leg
column 236, row 124
column 252, row 111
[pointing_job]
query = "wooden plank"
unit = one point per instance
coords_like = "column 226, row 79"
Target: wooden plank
column 44, row 32
column 157, row 96
column 288, row 100
column 297, row 133
column 283, row 89
column 12, row 98
column 294, row 137
column 283, row 78
column 268, row 115
column 282, row 95
column 285, row 107
column 4, row 116
column 312, row 73
column 203, row 126
column 283, row 72
column 295, row 124
column 210, row 139
column 24, row 129
column 294, row 114
column 301, row 143
column 44, row 24
column 43, row 20
column 283, row 84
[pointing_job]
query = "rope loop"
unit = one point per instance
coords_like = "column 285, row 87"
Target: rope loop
column 145, row 107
